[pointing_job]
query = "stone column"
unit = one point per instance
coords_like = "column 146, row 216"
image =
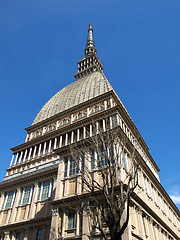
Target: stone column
column 49, row 149
column 78, row 134
column 24, row 159
column 55, row 143
column 90, row 130
column 60, row 142
column 6, row 236
column 2, row 200
column 84, row 132
column 29, row 156
column 105, row 105
column 39, row 151
column 77, row 223
column 33, row 202
column 59, row 183
column 85, row 224
column 104, row 125
column 66, row 139
column 17, row 155
column 34, row 153
column 11, row 163
column 20, row 156
column 44, row 149
column 54, row 231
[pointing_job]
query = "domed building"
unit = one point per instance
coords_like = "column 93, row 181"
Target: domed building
column 41, row 185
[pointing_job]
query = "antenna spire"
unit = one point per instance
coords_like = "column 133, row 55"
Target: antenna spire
column 90, row 62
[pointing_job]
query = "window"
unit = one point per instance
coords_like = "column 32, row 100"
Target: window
column 9, row 200
column 97, row 109
column 102, row 157
column 124, row 160
column 80, row 115
column 50, row 128
column 64, row 122
column 26, row 195
column 92, row 159
column 18, row 236
column 66, row 168
column 74, row 166
column 71, row 219
column 38, row 133
column 39, row 234
column 145, row 184
column 45, row 190
column 114, row 120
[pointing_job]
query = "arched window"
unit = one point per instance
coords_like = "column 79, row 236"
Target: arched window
column 38, row 133
column 97, row 109
column 64, row 122
column 80, row 115
column 50, row 128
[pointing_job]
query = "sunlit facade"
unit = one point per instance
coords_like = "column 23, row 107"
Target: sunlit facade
column 41, row 183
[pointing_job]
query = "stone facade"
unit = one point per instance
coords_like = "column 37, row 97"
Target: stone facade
column 36, row 192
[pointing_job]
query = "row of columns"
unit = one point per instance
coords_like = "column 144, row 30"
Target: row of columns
column 145, row 226
column 47, row 147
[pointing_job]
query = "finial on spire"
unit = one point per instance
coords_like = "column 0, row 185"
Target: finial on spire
column 90, row 62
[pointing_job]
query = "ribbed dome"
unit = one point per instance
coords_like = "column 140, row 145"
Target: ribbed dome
column 80, row 91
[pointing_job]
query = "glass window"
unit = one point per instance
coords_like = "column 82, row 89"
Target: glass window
column 18, row 236
column 9, row 200
column 38, row 133
column 102, row 159
column 80, row 115
column 92, row 159
column 45, row 190
column 64, row 122
column 74, row 166
column 66, row 168
column 50, row 128
column 39, row 234
column 26, row 195
column 124, row 160
column 97, row 109
column 114, row 120
column 71, row 219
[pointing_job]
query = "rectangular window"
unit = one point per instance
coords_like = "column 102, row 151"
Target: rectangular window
column 45, row 190
column 9, row 199
column 114, row 121
column 18, row 236
column 39, row 234
column 66, row 168
column 74, row 166
column 145, row 184
column 71, row 219
column 124, row 160
column 26, row 195
column 102, row 157
column 92, row 159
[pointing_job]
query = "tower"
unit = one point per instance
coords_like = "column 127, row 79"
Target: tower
column 41, row 183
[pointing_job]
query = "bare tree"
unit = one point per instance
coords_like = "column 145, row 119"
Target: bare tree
column 107, row 163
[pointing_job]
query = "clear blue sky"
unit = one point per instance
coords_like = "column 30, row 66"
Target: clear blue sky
column 138, row 42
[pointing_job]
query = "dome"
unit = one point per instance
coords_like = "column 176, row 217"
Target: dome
column 80, row 91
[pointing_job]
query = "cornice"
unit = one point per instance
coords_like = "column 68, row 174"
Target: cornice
column 65, row 113
column 29, row 178
column 63, row 130
column 154, row 215
column 26, row 222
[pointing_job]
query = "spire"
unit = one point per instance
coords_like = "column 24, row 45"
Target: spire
column 90, row 41
column 90, row 62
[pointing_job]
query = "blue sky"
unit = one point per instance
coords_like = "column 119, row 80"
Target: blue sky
column 138, row 43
